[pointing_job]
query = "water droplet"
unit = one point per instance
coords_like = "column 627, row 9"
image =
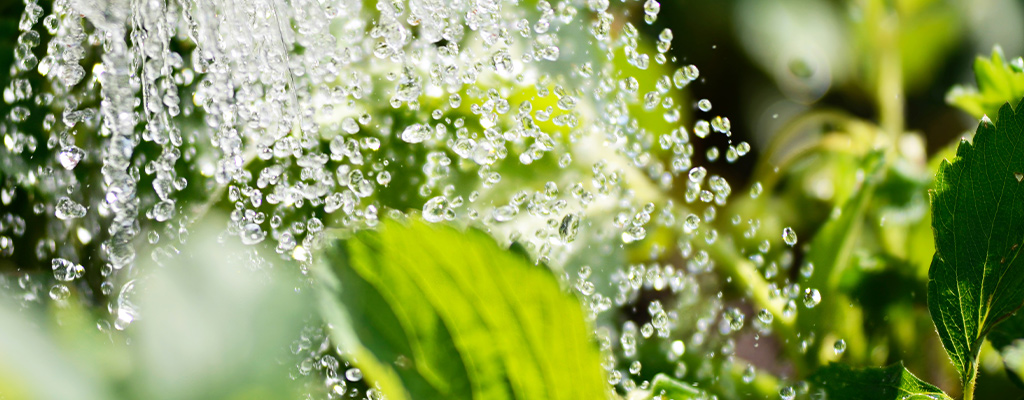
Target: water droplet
column 678, row 348
column 68, row 209
column 749, row 373
column 721, row 124
column 70, row 156
column 436, row 209
column 691, row 222
column 416, row 133
column 742, row 148
column 789, row 236
column 252, row 234
column 505, row 213
column 807, row 270
column 60, row 292
column 735, row 319
column 811, row 297
column 765, row 316
column 64, row 270
column 569, row 227
column 787, row 393
column 697, row 174
column 633, row 234
column 839, row 347
column 354, row 374
column 634, row 368
column 702, row 128
column 704, row 105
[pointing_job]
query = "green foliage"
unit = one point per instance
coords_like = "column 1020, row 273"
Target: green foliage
column 976, row 277
column 432, row 312
column 1013, row 357
column 999, row 82
column 842, row 382
column 1008, row 339
column 211, row 331
column 665, row 388
column 831, row 249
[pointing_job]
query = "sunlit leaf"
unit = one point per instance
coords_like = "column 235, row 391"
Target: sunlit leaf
column 432, row 312
column 999, row 82
column 976, row 278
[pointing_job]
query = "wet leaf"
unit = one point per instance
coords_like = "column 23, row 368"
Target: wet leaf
column 976, row 278
column 842, row 382
column 433, row 312
column 998, row 81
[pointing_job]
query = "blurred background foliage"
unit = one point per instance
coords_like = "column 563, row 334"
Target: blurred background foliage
column 816, row 86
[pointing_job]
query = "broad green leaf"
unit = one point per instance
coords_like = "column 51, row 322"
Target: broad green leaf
column 434, row 312
column 976, row 278
column 666, row 388
column 999, row 82
column 842, row 382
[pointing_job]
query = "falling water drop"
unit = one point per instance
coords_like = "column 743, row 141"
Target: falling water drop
column 787, row 393
column 435, row 209
column 69, row 209
column 704, row 105
column 789, row 236
column 252, row 234
column 569, row 228
column 839, row 347
column 811, row 297
column 70, row 156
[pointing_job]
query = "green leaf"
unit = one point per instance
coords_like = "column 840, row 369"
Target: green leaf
column 999, row 82
column 434, row 312
column 666, row 388
column 842, row 382
column 976, row 278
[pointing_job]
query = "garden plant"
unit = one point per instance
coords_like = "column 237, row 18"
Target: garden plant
column 511, row 199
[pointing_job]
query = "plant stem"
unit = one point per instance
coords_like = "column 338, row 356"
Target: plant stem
column 890, row 81
column 969, row 385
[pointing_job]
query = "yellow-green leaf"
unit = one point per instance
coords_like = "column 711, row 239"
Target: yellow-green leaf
column 434, row 312
column 999, row 82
